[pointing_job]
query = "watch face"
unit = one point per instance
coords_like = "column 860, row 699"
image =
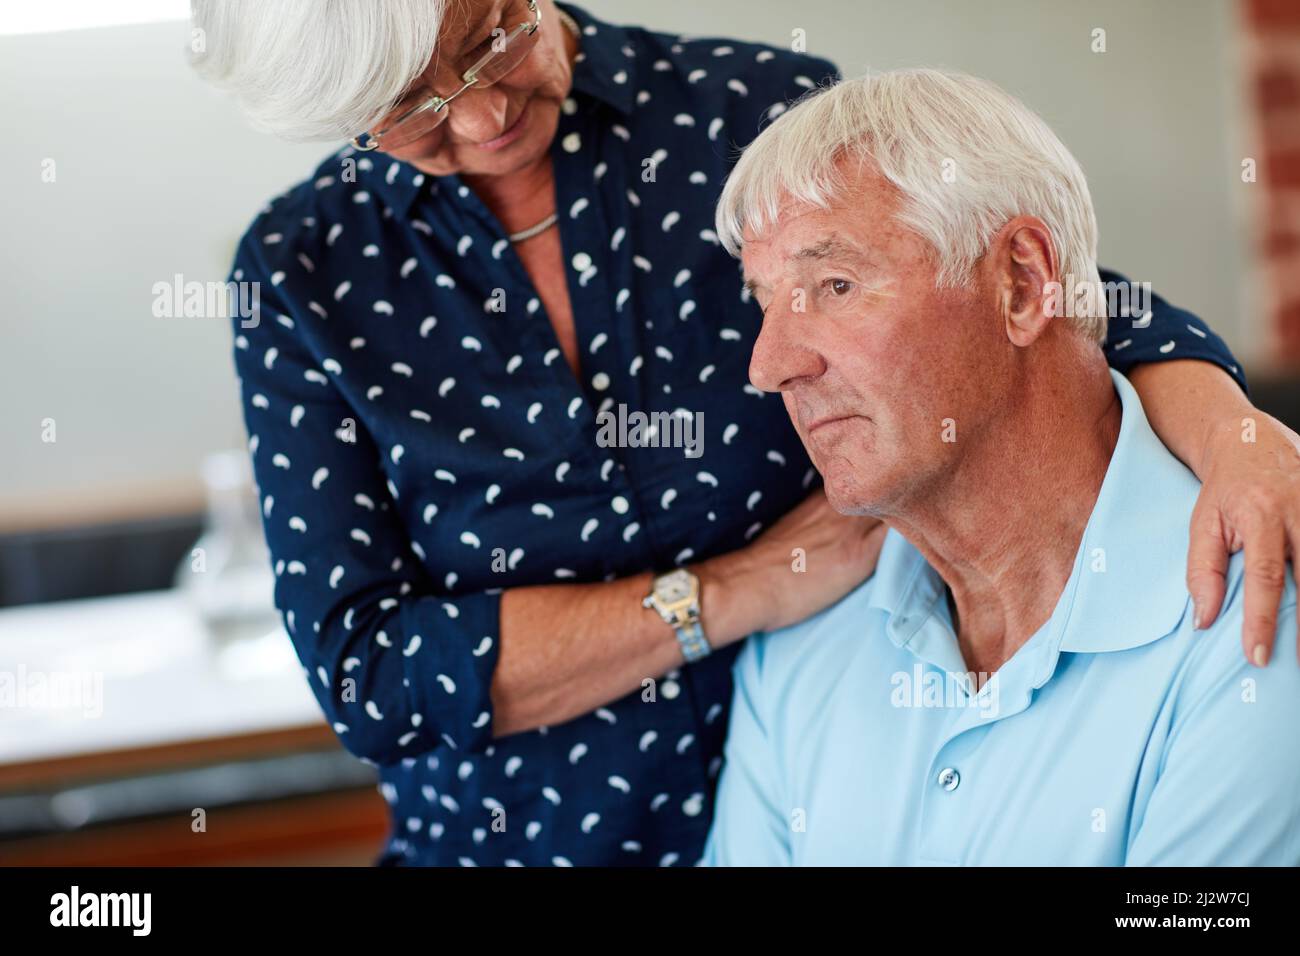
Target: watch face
column 675, row 587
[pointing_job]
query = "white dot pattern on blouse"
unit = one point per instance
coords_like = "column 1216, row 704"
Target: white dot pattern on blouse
column 420, row 444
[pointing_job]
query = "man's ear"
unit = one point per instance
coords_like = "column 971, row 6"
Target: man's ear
column 1027, row 265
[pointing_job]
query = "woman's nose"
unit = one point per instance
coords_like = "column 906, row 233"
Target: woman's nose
column 479, row 115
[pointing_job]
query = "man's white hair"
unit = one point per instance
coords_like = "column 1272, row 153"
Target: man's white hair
column 965, row 155
column 314, row 69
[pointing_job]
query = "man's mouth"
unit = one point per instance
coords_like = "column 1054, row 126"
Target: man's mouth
column 830, row 420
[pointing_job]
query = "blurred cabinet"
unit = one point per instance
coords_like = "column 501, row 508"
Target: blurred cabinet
column 129, row 737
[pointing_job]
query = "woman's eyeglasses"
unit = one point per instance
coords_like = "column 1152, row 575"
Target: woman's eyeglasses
column 507, row 51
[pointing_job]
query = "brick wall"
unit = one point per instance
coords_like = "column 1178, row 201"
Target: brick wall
column 1272, row 62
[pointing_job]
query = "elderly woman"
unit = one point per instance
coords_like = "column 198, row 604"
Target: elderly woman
column 527, row 627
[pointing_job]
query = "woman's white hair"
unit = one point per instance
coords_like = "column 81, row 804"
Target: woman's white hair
column 314, row 69
column 965, row 155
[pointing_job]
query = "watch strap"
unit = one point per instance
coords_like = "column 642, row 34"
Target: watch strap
column 692, row 640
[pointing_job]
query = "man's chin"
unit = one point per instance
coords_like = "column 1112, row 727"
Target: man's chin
column 846, row 493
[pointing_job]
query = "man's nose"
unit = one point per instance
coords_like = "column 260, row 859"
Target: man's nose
column 478, row 115
column 782, row 356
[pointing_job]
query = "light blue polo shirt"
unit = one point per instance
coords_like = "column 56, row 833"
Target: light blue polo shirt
column 1116, row 735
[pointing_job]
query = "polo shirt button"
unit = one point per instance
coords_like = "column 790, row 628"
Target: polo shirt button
column 949, row 779
column 581, row 261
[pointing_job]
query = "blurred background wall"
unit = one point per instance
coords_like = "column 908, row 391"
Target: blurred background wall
column 157, row 175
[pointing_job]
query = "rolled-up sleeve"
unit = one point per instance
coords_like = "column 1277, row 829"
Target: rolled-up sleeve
column 397, row 669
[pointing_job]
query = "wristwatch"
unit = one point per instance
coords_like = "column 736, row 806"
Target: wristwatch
column 676, row 596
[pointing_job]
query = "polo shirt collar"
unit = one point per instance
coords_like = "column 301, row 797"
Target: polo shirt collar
column 1127, row 587
column 1129, row 583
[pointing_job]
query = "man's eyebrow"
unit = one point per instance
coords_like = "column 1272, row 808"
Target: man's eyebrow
column 832, row 247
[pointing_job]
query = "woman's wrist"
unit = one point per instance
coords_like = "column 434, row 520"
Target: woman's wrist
column 733, row 604
column 1193, row 406
column 1220, row 432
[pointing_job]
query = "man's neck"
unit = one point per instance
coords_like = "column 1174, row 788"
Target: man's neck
column 1004, row 528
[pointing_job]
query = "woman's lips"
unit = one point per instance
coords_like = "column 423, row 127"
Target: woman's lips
column 511, row 134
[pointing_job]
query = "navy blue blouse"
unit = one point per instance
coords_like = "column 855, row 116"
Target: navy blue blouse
column 418, row 448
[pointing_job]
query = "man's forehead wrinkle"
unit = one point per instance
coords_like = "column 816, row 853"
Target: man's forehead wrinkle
column 832, row 246
column 783, row 249
column 788, row 212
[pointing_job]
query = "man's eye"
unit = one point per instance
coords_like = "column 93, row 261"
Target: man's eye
column 838, row 286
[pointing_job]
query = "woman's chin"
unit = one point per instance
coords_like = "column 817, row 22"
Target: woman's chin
column 541, row 117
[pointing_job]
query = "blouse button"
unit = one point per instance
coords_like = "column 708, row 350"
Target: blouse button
column 581, row 261
column 600, row 381
column 619, row 504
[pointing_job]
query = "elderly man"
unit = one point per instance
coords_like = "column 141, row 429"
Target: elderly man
column 1022, row 681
